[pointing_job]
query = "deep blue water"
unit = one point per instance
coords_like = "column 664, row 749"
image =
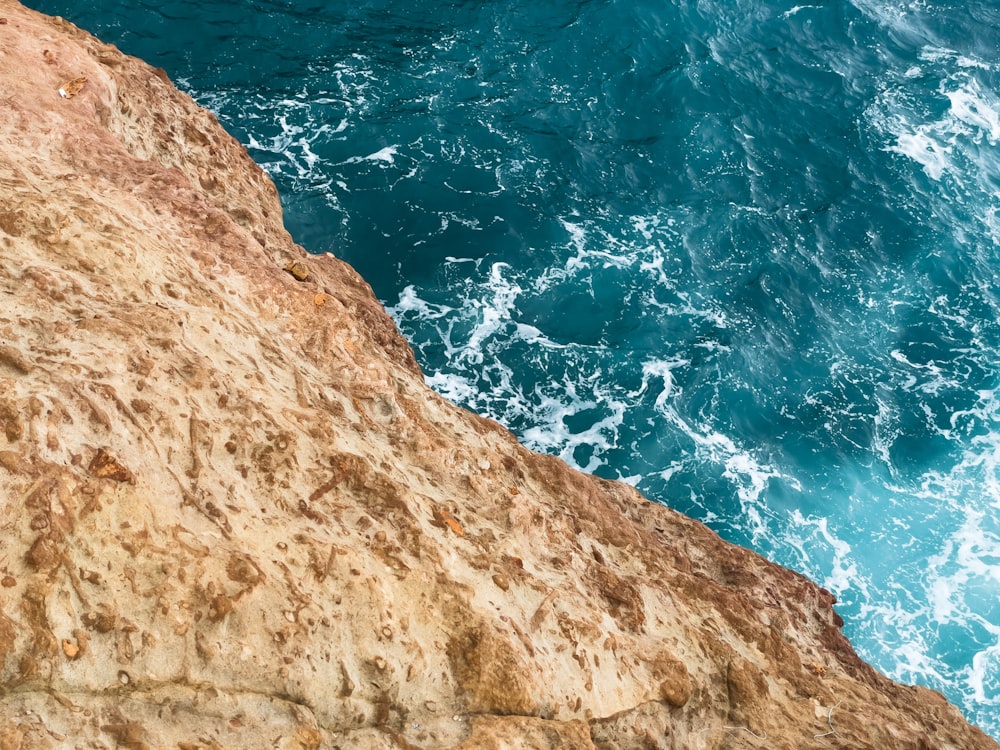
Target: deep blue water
column 740, row 254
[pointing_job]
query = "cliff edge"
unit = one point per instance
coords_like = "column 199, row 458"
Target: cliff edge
column 233, row 515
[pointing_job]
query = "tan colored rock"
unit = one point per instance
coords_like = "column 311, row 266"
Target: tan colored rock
column 234, row 516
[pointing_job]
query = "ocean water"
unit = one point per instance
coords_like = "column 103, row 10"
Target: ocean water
column 741, row 254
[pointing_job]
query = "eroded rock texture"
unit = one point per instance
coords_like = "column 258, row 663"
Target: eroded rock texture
column 232, row 515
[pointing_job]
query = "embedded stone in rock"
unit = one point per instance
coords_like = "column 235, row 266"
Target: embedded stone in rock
column 104, row 465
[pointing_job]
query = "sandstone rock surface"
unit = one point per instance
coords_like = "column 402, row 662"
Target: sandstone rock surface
column 232, row 514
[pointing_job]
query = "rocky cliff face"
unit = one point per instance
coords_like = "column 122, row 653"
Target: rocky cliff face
column 232, row 514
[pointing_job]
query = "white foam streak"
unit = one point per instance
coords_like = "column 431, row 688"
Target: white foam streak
column 386, row 155
column 924, row 150
column 974, row 553
column 976, row 109
column 842, row 573
column 985, row 666
column 585, row 255
column 749, row 477
column 799, row 9
column 453, row 387
column 556, row 437
column 495, row 315
column 410, row 303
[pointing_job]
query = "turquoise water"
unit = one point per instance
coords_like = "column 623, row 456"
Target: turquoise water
column 740, row 254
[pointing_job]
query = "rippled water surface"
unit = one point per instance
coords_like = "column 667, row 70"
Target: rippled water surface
column 740, row 254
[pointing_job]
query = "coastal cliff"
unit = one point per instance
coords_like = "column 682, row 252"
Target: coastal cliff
column 233, row 515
